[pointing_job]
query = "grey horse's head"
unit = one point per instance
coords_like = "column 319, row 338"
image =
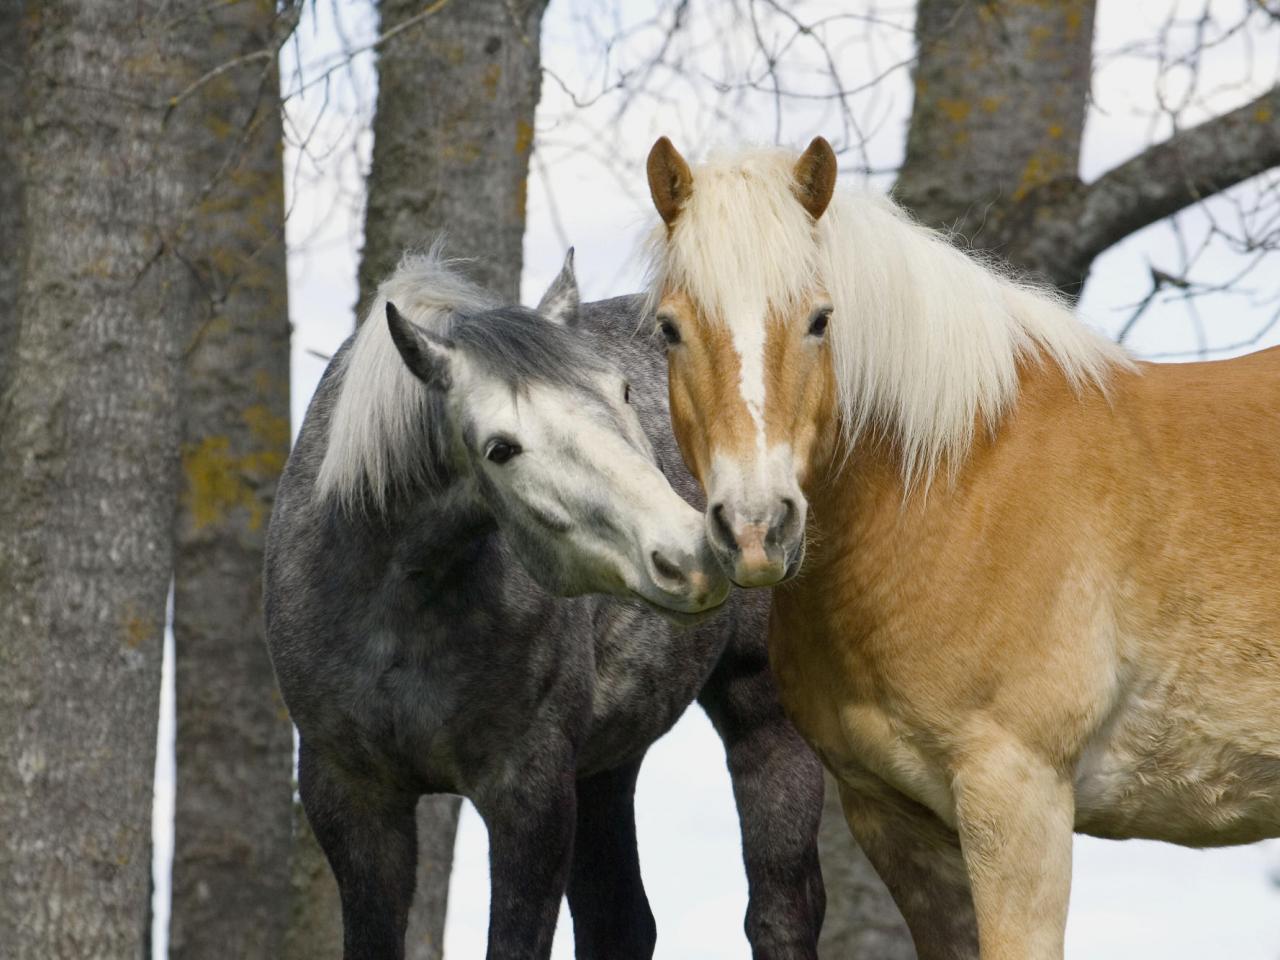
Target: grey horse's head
column 533, row 427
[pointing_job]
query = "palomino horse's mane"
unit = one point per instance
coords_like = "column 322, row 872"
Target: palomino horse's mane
column 387, row 431
column 927, row 341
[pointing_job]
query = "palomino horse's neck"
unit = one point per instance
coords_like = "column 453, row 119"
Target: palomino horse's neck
column 860, row 500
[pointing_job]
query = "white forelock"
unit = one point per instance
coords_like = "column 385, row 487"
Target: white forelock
column 377, row 420
column 927, row 341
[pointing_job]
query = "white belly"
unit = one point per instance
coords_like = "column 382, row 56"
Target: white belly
column 1172, row 765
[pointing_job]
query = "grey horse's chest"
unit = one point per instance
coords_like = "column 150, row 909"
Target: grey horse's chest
column 646, row 673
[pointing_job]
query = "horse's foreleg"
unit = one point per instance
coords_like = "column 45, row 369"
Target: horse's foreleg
column 530, row 824
column 777, row 783
column 369, row 836
column 918, row 857
column 611, row 915
column 1015, row 816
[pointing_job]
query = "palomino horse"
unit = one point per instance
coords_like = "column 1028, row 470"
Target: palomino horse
column 1041, row 588
column 465, row 471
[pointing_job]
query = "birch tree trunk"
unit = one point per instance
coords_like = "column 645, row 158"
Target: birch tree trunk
column 234, row 799
column 452, row 137
column 88, row 455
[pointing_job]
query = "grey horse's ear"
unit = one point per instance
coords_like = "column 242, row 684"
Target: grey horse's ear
column 560, row 303
column 426, row 355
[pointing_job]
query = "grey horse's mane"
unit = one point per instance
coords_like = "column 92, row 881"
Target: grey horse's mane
column 388, row 431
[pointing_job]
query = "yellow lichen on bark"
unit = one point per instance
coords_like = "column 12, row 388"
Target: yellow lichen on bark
column 524, row 136
column 492, row 74
column 955, row 110
column 220, row 481
column 139, row 627
column 268, row 427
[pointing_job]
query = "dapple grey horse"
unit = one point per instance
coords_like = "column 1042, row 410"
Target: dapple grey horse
column 473, row 568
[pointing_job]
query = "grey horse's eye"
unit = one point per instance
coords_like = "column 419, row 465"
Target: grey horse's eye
column 500, row 451
column 626, row 393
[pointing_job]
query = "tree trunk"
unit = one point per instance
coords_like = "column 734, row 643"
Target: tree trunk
column 233, row 805
column 11, row 72
column 452, row 137
column 454, row 129
column 88, row 456
column 993, row 147
column 315, row 916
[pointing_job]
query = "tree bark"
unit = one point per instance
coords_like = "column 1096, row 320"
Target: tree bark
column 993, row 148
column 1165, row 178
column 11, row 71
column 234, row 798
column 88, row 456
column 1001, row 89
column 452, row 137
column 315, row 915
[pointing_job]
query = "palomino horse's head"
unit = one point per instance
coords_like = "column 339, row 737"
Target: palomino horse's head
column 541, row 436
column 744, row 316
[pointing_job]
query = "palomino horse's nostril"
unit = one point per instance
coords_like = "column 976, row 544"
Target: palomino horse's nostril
column 724, row 533
column 781, row 529
column 666, row 569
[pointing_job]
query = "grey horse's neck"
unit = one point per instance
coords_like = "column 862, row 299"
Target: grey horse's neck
column 442, row 537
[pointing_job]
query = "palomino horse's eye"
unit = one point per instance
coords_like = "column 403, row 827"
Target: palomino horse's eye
column 668, row 331
column 818, row 323
column 500, row 451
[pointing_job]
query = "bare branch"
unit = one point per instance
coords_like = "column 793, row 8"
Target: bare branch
column 1186, row 168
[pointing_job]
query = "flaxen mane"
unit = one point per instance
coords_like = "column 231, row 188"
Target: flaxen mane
column 927, row 341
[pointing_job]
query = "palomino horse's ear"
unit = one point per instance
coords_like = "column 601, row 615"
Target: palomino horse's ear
column 815, row 176
column 425, row 354
column 560, row 303
column 670, row 180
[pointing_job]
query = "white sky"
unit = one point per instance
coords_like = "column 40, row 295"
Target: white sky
column 1129, row 899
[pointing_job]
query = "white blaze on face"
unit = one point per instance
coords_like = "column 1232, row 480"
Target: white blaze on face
column 755, row 488
column 747, row 326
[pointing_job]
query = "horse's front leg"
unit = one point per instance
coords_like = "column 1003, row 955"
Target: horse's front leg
column 368, row 833
column 611, row 915
column 777, row 783
column 1015, row 815
column 919, row 859
column 530, row 819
